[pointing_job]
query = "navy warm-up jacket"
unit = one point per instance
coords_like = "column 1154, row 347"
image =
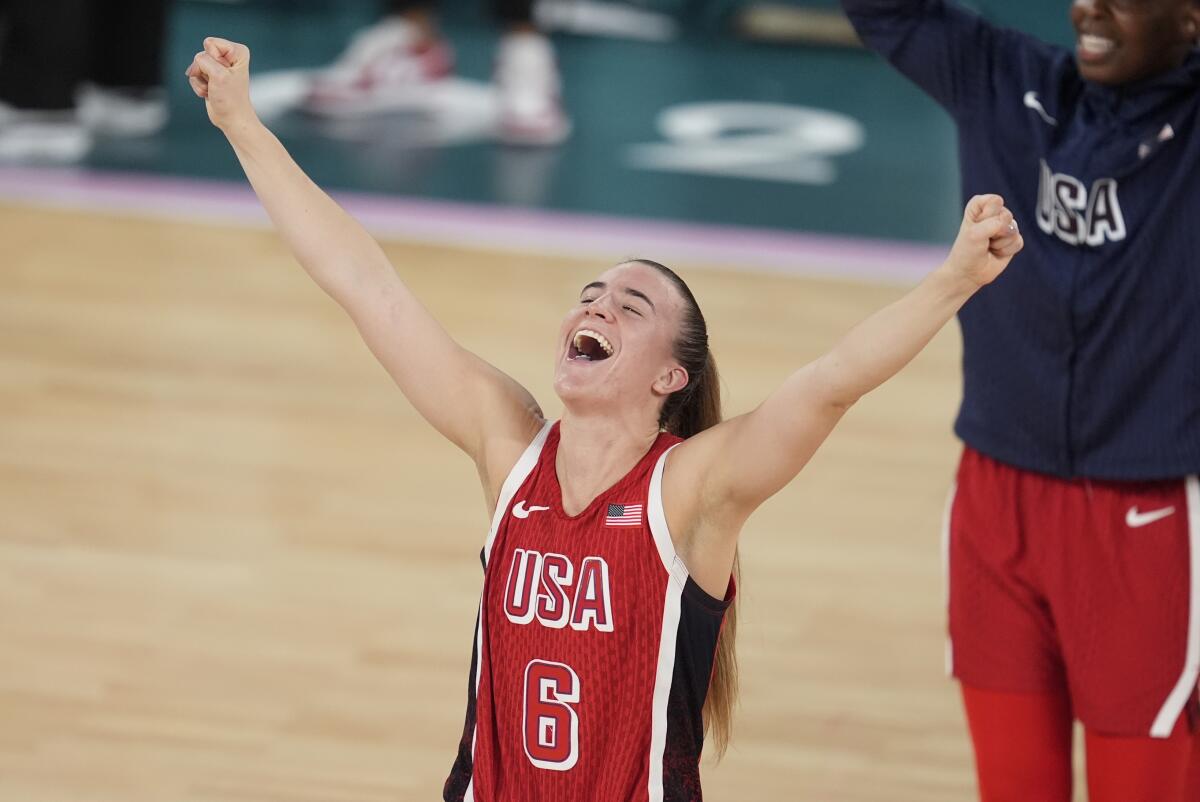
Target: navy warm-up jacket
column 1083, row 358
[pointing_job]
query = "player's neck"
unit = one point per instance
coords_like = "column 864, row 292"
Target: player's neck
column 595, row 452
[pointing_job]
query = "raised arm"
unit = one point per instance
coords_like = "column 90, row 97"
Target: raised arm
column 475, row 406
column 951, row 53
column 717, row 478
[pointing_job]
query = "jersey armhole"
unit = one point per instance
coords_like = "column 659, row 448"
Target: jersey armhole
column 516, row 477
column 657, row 517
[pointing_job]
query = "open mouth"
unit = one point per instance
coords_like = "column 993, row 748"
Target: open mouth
column 1094, row 48
column 590, row 346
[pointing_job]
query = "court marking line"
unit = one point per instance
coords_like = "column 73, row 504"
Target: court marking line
column 488, row 227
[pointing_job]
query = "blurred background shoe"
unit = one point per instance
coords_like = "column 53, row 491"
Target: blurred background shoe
column 56, row 137
column 387, row 67
column 529, row 88
column 122, row 111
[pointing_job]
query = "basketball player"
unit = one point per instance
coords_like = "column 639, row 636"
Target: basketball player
column 599, row 658
column 1074, row 534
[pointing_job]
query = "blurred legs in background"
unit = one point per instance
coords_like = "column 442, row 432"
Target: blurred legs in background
column 71, row 68
column 41, row 67
column 392, row 66
column 386, row 67
column 124, row 93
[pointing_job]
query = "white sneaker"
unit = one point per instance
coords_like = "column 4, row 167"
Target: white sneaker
column 42, row 136
column 122, row 112
column 529, row 89
column 387, row 67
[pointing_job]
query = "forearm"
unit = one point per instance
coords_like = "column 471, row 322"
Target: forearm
column 880, row 346
column 939, row 45
column 474, row 405
column 330, row 245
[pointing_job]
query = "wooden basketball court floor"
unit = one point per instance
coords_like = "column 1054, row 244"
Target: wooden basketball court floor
column 234, row 565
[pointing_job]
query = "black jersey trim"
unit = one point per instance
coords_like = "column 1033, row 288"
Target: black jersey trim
column 700, row 620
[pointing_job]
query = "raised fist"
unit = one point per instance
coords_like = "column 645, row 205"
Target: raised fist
column 987, row 241
column 220, row 73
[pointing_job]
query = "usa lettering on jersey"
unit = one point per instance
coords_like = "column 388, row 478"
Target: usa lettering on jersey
column 546, row 588
column 1077, row 216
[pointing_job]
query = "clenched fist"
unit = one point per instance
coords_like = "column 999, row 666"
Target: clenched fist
column 220, row 73
column 987, row 241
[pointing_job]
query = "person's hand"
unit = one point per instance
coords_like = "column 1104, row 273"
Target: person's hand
column 220, row 73
column 987, row 241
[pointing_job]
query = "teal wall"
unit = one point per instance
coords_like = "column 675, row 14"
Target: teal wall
column 902, row 183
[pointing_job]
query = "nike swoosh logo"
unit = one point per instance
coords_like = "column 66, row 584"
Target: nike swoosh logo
column 1032, row 102
column 521, row 511
column 1165, row 135
column 1136, row 520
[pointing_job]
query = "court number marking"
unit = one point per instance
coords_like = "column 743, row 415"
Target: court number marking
column 764, row 141
column 551, row 722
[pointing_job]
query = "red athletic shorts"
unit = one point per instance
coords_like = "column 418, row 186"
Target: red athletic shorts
column 1080, row 587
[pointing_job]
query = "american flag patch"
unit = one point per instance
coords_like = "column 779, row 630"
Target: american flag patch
column 623, row 515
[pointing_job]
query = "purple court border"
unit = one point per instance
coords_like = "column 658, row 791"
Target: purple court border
column 482, row 226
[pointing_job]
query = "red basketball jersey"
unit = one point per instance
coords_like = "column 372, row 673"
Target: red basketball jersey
column 593, row 648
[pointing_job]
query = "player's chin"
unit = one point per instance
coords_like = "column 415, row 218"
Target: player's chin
column 1109, row 72
column 571, row 387
column 586, row 382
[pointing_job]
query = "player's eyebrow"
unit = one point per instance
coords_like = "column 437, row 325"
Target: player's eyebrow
column 642, row 295
column 600, row 285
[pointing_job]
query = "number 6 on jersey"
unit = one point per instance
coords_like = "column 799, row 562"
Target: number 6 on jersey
column 551, row 725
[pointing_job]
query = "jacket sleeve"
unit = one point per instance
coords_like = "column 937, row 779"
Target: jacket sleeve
column 950, row 52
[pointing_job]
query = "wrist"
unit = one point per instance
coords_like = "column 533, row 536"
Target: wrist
column 243, row 131
column 954, row 283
